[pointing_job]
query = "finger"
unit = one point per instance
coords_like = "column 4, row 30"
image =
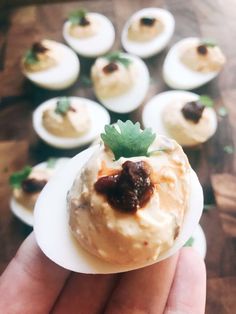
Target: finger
column 145, row 290
column 188, row 291
column 85, row 294
column 31, row 282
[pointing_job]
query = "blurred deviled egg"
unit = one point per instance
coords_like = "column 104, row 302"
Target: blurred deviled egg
column 184, row 116
column 51, row 65
column 120, row 81
column 147, row 32
column 89, row 34
column 27, row 185
column 68, row 122
column 192, row 62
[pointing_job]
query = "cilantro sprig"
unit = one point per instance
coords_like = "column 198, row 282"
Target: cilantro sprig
column 18, row 177
column 116, row 56
column 63, row 105
column 51, row 162
column 31, row 57
column 208, row 43
column 76, row 17
column 127, row 139
column 206, row 101
column 189, row 242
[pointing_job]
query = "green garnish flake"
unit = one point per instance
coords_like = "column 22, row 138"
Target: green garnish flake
column 116, row 56
column 75, row 17
column 128, row 140
column 222, row 111
column 63, row 105
column 208, row 43
column 206, row 101
column 51, row 162
column 208, row 207
column 17, row 178
column 31, row 57
column 86, row 81
column 228, row 149
column 189, row 242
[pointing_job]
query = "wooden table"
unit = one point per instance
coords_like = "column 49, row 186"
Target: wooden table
column 215, row 167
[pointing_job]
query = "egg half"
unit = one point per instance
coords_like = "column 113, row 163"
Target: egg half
column 145, row 49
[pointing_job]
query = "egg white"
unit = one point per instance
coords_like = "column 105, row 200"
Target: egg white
column 98, row 115
column 60, row 245
column 133, row 98
column 60, row 76
column 199, row 241
column 96, row 45
column 152, row 47
column 24, row 214
column 179, row 76
column 152, row 116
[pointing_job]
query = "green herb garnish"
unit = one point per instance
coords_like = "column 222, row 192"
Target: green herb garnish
column 51, row 162
column 86, row 81
column 63, row 105
column 206, row 101
column 77, row 16
column 228, row 149
column 208, row 43
column 208, row 207
column 17, row 178
column 31, row 57
column 116, row 56
column 189, row 242
column 222, row 111
column 128, row 140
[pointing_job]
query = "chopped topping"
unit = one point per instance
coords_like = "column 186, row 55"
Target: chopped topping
column 32, row 185
column 193, row 111
column 17, row 178
column 116, row 56
column 84, row 21
column 202, row 49
column 147, row 21
column 128, row 140
column 128, row 190
column 206, row 101
column 31, row 55
column 110, row 67
column 208, row 43
column 79, row 18
column 39, row 48
column 63, row 106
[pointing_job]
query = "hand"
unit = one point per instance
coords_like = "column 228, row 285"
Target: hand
column 32, row 284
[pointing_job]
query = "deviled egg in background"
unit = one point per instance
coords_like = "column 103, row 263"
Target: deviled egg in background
column 184, row 116
column 69, row 122
column 28, row 183
column 121, row 81
column 148, row 32
column 51, row 65
column 191, row 63
column 89, row 34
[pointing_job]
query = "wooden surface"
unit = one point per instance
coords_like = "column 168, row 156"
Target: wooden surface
column 215, row 167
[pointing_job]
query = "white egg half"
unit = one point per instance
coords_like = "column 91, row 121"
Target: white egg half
column 96, row 45
column 133, row 98
column 152, row 116
column 98, row 115
column 179, row 76
column 199, row 241
column 24, row 214
column 60, row 245
column 63, row 74
column 152, row 47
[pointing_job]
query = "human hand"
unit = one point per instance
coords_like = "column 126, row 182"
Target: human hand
column 32, row 284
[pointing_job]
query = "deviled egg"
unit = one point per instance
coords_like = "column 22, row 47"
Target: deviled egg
column 68, row 122
column 148, row 32
column 184, row 116
column 89, row 34
column 51, row 65
column 191, row 63
column 28, row 183
column 120, row 81
column 127, row 203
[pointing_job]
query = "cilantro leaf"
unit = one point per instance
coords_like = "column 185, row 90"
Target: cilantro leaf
column 31, row 57
column 222, row 111
column 206, row 101
column 76, row 16
column 208, row 43
column 17, row 178
column 189, row 242
column 116, row 56
column 228, row 149
column 127, row 139
column 51, row 162
column 63, row 105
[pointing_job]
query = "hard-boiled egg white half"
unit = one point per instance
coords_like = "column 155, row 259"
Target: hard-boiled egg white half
column 96, row 45
column 61, row 247
column 63, row 74
column 152, row 116
column 199, row 241
column 98, row 116
column 132, row 98
column 24, row 214
column 177, row 75
column 149, row 48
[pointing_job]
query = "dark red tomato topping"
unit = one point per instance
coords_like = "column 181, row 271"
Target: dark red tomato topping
column 39, row 48
column 202, row 49
column 193, row 111
column 147, row 21
column 32, row 185
column 84, row 22
column 110, row 67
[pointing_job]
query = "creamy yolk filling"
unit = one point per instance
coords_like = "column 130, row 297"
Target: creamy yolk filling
column 88, row 27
